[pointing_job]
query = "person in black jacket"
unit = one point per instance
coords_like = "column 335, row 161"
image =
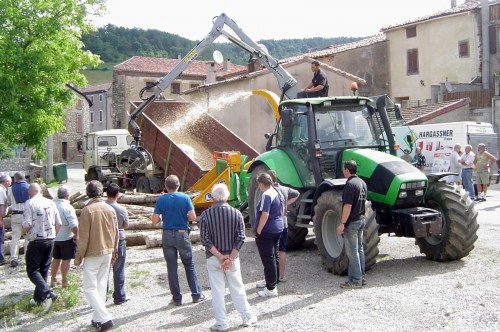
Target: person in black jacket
column 318, row 87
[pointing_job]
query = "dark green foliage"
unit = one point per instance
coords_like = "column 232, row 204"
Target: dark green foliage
column 116, row 44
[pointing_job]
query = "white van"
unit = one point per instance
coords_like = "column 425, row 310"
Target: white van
column 437, row 141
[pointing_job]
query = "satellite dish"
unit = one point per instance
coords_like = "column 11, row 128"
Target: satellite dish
column 264, row 48
column 218, row 58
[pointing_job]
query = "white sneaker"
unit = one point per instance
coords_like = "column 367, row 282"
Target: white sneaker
column 261, row 284
column 249, row 321
column 46, row 305
column 268, row 293
column 217, row 327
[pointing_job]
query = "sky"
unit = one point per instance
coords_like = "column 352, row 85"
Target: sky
column 267, row 19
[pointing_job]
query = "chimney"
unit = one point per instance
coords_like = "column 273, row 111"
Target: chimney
column 210, row 72
column 252, row 64
column 179, row 57
column 453, row 3
column 226, row 65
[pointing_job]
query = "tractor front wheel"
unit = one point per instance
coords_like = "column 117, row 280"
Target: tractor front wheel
column 459, row 223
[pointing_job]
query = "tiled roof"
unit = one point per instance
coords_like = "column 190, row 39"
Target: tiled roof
column 141, row 64
column 333, row 49
column 264, row 71
column 421, row 114
column 104, row 87
column 465, row 7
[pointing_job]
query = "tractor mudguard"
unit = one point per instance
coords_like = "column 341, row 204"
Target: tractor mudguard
column 278, row 161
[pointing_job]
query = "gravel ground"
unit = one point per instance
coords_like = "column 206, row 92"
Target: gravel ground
column 405, row 292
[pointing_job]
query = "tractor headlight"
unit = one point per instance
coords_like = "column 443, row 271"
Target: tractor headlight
column 403, row 186
column 421, row 184
column 419, row 192
column 403, row 194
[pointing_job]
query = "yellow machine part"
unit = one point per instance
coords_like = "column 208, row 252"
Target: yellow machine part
column 203, row 186
column 272, row 98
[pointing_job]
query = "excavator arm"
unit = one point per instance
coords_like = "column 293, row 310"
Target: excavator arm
column 287, row 82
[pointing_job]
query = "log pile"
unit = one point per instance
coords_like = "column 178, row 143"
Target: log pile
column 141, row 230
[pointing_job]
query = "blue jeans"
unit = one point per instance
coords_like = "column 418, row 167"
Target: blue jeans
column 268, row 246
column 38, row 259
column 467, row 182
column 2, row 235
column 353, row 243
column 119, row 273
column 174, row 242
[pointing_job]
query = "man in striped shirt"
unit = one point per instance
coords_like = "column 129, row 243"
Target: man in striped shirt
column 223, row 233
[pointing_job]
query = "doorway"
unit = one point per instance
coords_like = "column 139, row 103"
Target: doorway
column 64, row 151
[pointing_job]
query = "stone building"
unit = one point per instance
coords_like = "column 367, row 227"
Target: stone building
column 100, row 112
column 67, row 145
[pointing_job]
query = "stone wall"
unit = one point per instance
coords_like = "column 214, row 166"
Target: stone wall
column 68, row 144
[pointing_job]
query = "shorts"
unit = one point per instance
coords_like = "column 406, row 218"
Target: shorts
column 64, row 250
column 283, row 237
column 482, row 177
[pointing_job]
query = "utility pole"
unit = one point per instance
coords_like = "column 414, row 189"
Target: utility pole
column 485, row 26
column 50, row 159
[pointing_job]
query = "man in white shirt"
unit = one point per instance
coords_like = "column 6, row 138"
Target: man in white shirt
column 5, row 181
column 467, row 164
column 455, row 166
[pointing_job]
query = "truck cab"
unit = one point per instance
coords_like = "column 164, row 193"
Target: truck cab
column 101, row 149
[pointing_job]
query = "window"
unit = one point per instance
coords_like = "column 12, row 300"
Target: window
column 106, row 141
column 91, row 116
column 79, row 124
column 194, row 85
column 463, row 49
column 92, row 99
column 100, row 97
column 100, row 116
column 176, row 88
column 411, row 32
column 412, row 62
column 79, row 146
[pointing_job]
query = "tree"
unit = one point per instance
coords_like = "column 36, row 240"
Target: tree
column 41, row 51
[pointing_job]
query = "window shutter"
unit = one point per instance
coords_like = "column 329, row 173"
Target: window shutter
column 493, row 39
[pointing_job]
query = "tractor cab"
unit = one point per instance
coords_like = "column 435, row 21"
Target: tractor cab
column 324, row 128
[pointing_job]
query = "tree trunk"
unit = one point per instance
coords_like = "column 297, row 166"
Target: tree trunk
column 153, row 241
column 6, row 247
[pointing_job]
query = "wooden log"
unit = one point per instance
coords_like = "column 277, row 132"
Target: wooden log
column 74, row 197
column 153, row 241
column 6, row 222
column 137, row 239
column 142, row 224
column 139, row 199
column 6, row 247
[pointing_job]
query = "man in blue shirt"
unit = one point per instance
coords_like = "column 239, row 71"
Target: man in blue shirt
column 175, row 210
column 17, row 196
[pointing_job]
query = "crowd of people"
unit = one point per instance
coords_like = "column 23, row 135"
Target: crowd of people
column 96, row 240
column 464, row 164
column 54, row 236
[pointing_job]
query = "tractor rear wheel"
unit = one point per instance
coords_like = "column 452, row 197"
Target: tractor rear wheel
column 327, row 214
column 459, row 223
column 296, row 235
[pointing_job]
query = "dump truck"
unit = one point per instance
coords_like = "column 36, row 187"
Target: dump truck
column 312, row 139
column 113, row 156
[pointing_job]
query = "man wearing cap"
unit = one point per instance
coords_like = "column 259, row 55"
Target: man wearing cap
column 17, row 195
column 97, row 248
column 5, row 181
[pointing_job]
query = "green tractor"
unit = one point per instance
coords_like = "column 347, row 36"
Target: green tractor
column 311, row 141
